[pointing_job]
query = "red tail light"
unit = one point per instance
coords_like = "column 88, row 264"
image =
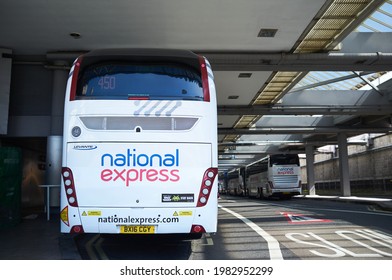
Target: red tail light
column 204, row 78
column 77, row 229
column 69, row 186
column 74, row 75
column 197, row 229
column 206, row 186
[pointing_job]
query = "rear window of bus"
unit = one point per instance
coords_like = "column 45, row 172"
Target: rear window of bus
column 117, row 81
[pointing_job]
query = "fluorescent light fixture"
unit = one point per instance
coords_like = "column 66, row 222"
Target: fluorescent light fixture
column 75, row 35
column 244, row 75
column 267, row 32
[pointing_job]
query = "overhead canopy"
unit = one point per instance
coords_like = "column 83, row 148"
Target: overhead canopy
column 264, row 55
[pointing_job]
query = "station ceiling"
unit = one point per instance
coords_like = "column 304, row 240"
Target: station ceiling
column 263, row 53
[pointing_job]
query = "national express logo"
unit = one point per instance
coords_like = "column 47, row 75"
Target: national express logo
column 285, row 170
column 132, row 166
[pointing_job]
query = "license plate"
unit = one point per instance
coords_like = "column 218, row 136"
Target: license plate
column 137, row 229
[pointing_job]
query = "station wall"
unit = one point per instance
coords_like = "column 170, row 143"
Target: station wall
column 370, row 169
column 30, row 101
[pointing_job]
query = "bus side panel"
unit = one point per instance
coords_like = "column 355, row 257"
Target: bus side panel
column 255, row 183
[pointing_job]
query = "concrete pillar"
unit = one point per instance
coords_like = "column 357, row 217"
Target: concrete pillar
column 5, row 84
column 55, row 139
column 60, row 77
column 345, row 188
column 309, row 150
column 53, row 166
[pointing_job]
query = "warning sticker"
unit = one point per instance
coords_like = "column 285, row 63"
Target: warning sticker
column 94, row 213
column 185, row 213
column 182, row 213
column 91, row 213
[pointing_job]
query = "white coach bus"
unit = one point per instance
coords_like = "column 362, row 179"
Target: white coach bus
column 140, row 144
column 275, row 175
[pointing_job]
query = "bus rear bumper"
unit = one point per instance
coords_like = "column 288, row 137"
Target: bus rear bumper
column 147, row 220
column 285, row 192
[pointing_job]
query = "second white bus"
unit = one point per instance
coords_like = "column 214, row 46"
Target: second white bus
column 275, row 175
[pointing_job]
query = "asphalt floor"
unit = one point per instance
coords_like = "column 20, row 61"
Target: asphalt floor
column 36, row 238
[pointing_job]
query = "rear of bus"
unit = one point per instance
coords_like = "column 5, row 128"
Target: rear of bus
column 284, row 175
column 140, row 144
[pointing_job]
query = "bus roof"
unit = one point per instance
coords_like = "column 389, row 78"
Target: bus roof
column 142, row 55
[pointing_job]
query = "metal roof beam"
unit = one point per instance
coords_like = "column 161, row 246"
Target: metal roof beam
column 300, row 61
column 331, row 81
column 305, row 110
column 304, row 130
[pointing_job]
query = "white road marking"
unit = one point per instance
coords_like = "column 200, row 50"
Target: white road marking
column 272, row 243
column 209, row 240
column 381, row 249
column 100, row 251
column 89, row 247
column 332, row 210
column 95, row 242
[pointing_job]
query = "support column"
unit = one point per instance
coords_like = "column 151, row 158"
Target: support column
column 345, row 188
column 5, row 84
column 54, row 140
column 53, row 167
column 60, row 77
column 309, row 150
